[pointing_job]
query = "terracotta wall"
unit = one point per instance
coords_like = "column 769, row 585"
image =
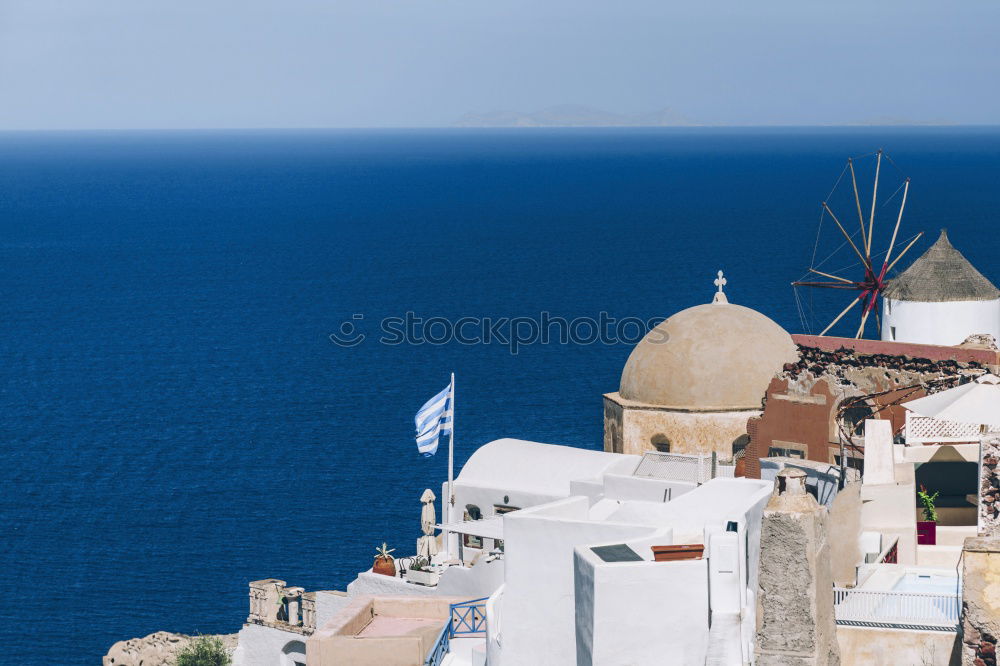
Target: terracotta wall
column 799, row 412
column 796, row 419
column 932, row 352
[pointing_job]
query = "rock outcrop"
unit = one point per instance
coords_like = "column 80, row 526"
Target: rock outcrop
column 157, row 649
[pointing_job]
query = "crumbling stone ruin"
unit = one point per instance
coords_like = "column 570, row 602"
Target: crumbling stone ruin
column 795, row 621
column 989, row 487
column 872, row 373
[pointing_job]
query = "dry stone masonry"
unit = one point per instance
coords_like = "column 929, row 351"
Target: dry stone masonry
column 795, row 620
column 980, row 600
column 989, row 487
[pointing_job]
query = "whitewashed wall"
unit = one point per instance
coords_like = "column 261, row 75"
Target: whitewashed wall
column 269, row 646
column 948, row 323
column 641, row 612
column 538, row 608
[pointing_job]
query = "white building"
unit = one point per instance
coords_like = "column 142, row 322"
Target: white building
column 941, row 299
column 556, row 553
column 580, row 584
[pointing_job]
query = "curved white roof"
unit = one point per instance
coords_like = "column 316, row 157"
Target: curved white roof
column 544, row 469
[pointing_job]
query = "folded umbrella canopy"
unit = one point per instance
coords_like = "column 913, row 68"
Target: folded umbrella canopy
column 427, row 544
column 977, row 402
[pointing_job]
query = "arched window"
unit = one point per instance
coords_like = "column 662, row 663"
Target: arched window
column 854, row 418
column 294, row 654
column 660, row 443
column 740, row 445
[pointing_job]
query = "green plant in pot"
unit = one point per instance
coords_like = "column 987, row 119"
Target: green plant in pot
column 384, row 563
column 927, row 501
column 927, row 528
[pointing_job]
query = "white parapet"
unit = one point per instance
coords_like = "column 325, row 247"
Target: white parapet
column 879, row 463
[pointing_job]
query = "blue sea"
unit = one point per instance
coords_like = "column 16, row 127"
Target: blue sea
column 175, row 419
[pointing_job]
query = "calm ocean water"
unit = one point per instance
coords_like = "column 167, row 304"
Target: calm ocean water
column 176, row 421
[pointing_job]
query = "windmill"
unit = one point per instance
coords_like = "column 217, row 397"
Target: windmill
column 867, row 290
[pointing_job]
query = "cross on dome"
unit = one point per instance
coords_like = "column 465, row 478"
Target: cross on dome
column 720, row 296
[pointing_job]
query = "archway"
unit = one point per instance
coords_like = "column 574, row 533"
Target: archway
column 294, row 654
column 661, row 443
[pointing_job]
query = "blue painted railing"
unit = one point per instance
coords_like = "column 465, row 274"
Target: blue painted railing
column 468, row 617
column 465, row 619
column 440, row 648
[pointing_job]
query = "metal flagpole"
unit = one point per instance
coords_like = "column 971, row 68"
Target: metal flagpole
column 451, row 455
column 451, row 466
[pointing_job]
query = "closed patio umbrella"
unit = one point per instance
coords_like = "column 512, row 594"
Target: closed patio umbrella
column 427, row 544
column 977, row 402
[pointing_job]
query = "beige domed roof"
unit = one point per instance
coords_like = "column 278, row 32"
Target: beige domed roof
column 710, row 357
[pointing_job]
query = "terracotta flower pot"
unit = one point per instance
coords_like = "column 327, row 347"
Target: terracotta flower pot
column 385, row 566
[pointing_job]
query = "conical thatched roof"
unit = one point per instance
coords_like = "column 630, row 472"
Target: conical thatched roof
column 941, row 274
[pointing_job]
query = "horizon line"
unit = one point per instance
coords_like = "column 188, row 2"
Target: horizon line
column 319, row 128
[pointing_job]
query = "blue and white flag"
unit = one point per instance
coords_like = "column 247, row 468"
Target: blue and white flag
column 433, row 420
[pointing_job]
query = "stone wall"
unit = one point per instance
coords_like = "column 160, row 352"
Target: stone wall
column 980, row 600
column 634, row 428
column 802, row 403
column 795, row 621
column 612, row 426
column 989, row 487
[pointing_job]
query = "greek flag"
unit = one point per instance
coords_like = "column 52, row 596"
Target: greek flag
column 433, row 420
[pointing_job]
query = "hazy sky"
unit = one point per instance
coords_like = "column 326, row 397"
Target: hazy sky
column 307, row 63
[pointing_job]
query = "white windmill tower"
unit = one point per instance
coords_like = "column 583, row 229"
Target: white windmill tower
column 941, row 299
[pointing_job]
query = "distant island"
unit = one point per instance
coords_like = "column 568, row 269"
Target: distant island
column 573, row 115
column 568, row 115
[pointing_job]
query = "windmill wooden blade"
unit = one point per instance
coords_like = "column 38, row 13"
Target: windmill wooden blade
column 862, row 257
column 871, row 286
column 871, row 218
column 857, row 200
column 832, row 277
column 827, row 285
column 888, row 255
column 905, row 250
column 841, row 315
column 861, row 328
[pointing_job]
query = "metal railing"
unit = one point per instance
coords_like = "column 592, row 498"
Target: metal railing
column 440, row 648
column 888, row 555
column 467, row 618
column 682, row 467
column 888, row 608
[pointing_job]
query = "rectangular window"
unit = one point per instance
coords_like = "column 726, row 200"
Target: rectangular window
column 852, row 461
column 892, row 332
column 781, row 451
column 499, row 510
column 468, row 540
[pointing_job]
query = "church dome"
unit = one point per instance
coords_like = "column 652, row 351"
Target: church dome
column 710, row 357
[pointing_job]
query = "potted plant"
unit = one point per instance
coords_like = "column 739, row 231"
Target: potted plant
column 384, row 562
column 421, row 573
column 927, row 528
